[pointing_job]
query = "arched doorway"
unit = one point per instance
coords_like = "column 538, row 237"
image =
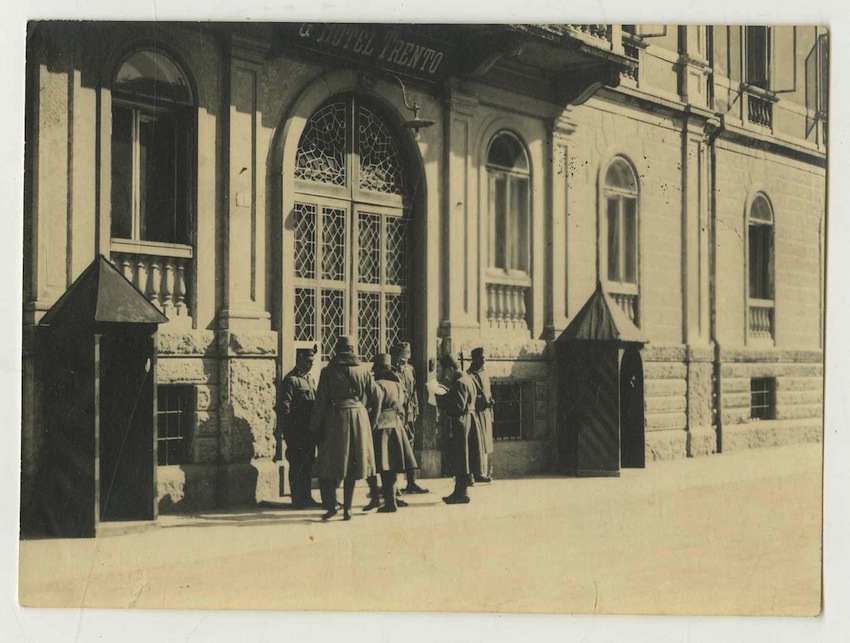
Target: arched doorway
column 350, row 214
column 632, row 440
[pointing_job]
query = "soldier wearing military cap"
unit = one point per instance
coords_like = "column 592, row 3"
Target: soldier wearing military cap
column 295, row 398
column 458, row 404
column 400, row 354
column 483, row 411
column 393, row 452
column 347, row 406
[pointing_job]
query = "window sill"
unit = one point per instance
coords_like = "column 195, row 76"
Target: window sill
column 621, row 288
column 508, row 277
column 156, row 248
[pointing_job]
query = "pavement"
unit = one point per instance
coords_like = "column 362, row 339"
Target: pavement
column 734, row 534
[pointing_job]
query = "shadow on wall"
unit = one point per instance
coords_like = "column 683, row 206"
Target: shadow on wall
column 186, row 488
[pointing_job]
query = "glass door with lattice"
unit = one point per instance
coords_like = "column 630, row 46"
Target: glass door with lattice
column 350, row 231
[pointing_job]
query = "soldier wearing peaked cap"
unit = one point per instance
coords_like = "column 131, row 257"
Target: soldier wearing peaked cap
column 347, row 405
column 483, row 411
column 458, row 404
column 400, row 354
column 295, row 398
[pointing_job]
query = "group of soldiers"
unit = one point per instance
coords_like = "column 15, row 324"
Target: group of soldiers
column 359, row 424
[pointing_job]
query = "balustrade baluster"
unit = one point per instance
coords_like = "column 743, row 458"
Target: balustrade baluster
column 154, row 281
column 180, row 287
column 140, row 274
column 126, row 266
column 167, row 290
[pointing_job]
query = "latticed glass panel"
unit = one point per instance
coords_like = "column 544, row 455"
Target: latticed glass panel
column 380, row 161
column 333, row 244
column 396, row 251
column 333, row 319
column 305, row 314
column 369, row 324
column 305, row 240
column 396, row 317
column 369, row 240
column 321, row 151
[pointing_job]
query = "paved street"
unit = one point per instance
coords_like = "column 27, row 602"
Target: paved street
column 738, row 533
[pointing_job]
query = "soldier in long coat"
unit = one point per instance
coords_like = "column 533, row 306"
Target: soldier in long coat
column 347, row 405
column 295, row 398
column 407, row 374
column 458, row 404
column 393, row 452
column 483, row 409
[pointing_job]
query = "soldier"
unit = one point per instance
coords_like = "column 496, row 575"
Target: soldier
column 458, row 404
column 401, row 358
column 393, row 452
column 347, row 406
column 296, row 395
column 483, row 410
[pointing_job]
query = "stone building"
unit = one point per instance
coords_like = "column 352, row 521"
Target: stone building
column 272, row 186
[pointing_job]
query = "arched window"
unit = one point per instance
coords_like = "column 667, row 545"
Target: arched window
column 151, row 116
column 508, row 180
column 619, row 225
column 350, row 220
column 760, row 269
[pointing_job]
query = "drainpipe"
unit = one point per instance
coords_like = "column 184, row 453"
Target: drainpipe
column 717, row 130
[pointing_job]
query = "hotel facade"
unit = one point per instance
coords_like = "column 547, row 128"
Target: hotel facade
column 273, row 186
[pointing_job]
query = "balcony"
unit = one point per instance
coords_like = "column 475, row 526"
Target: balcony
column 761, row 319
column 760, row 110
column 159, row 270
column 628, row 303
column 508, row 303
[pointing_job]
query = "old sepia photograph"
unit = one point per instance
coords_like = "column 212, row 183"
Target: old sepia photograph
column 432, row 317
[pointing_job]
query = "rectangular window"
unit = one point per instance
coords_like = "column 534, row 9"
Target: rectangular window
column 175, row 419
column 149, row 175
column 758, row 56
column 763, row 398
column 761, row 252
column 629, row 241
column 499, row 192
column 614, row 249
column 513, row 412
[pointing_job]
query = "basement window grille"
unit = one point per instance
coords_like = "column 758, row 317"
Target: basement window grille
column 762, row 398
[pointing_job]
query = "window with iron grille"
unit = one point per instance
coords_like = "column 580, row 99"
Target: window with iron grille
column 175, row 419
column 513, row 412
column 763, row 398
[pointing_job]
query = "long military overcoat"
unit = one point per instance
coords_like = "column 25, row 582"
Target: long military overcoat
column 483, row 407
column 393, row 452
column 466, row 449
column 347, row 404
column 296, row 396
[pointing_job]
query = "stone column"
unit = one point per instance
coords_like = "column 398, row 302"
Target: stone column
column 557, row 310
column 463, row 305
column 243, row 278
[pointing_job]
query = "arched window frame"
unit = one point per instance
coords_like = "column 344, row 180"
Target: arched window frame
column 619, row 247
column 135, row 115
column 760, row 269
column 512, row 254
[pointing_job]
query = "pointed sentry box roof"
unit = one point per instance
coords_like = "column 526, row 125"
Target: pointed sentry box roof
column 602, row 320
column 102, row 294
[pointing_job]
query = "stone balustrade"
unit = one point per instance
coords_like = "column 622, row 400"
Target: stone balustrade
column 160, row 271
column 761, row 319
column 759, row 110
column 507, row 305
column 628, row 303
column 601, row 32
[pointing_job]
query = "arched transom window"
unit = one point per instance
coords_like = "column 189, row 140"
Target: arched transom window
column 619, row 243
column 760, row 269
column 508, row 180
column 350, row 220
column 151, row 125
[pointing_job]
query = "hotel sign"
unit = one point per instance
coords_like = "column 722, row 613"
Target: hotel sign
column 408, row 52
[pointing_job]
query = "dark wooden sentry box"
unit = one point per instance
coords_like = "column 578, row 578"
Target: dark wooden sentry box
column 600, row 422
column 98, row 379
